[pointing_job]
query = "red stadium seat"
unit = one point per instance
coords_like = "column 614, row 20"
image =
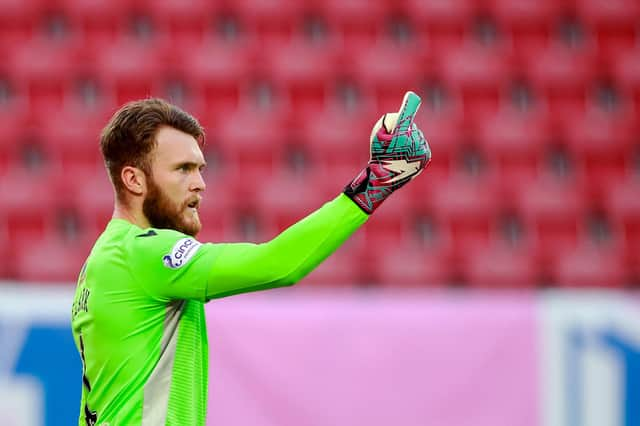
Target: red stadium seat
column 563, row 76
column 387, row 70
column 268, row 21
column 252, row 142
column 19, row 20
column 219, row 72
column 424, row 255
column 444, row 23
column 287, row 198
column 501, row 266
column 589, row 266
column 183, row 23
column 100, row 19
column 219, row 220
column 529, row 23
column 553, row 210
column 468, row 207
column 7, row 266
column 51, row 260
column 622, row 203
column 354, row 21
column 46, row 70
column 128, row 69
column 626, row 71
column 412, row 265
column 93, row 200
column 480, row 74
column 306, row 71
column 71, row 139
column 614, row 22
column 29, row 203
column 346, row 267
column 13, row 130
column 388, row 228
column 515, row 142
column 603, row 143
column 337, row 138
column 441, row 118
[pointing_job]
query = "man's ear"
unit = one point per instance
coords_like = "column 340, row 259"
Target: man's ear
column 134, row 180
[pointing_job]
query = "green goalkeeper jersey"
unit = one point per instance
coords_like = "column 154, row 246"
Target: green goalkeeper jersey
column 138, row 313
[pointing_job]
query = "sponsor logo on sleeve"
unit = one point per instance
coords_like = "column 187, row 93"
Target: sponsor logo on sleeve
column 181, row 253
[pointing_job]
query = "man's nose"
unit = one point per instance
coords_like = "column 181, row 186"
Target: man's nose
column 198, row 183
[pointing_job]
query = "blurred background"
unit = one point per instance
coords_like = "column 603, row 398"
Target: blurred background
column 532, row 111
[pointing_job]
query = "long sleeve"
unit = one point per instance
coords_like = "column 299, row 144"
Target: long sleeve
column 245, row 267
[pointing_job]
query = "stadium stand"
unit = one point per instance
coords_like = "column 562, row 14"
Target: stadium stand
column 532, row 109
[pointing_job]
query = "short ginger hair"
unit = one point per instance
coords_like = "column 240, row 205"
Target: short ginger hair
column 130, row 136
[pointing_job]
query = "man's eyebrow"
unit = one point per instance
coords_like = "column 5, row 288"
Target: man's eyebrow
column 191, row 164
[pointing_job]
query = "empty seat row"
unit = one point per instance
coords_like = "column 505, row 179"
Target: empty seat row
column 468, row 62
column 400, row 266
column 361, row 15
column 554, row 212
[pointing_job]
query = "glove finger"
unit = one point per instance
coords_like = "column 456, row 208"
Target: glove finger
column 390, row 121
column 377, row 127
column 407, row 113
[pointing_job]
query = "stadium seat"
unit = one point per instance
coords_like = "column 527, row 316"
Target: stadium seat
column 305, row 71
column 615, row 23
column 603, row 143
column 501, row 266
column 468, row 207
column 354, row 21
column 100, row 19
column 51, row 260
column 626, row 70
column 128, row 69
column 6, row 267
column 220, row 72
column 562, row 75
column 29, row 203
column 344, row 268
column 515, row 143
column 266, row 22
column 71, row 139
column 93, row 200
column 412, row 265
column 46, row 70
column 441, row 118
column 20, row 20
column 337, row 138
column 480, row 74
column 252, row 142
column 589, row 266
column 13, row 130
column 623, row 205
column 386, row 227
column 220, row 222
column 443, row 23
column 553, row 211
column 184, row 24
column 286, row 198
column 388, row 79
column 529, row 23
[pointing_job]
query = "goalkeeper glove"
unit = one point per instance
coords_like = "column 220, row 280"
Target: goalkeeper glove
column 398, row 153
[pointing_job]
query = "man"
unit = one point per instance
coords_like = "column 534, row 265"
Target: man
column 138, row 314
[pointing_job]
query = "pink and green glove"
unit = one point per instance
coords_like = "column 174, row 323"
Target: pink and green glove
column 399, row 152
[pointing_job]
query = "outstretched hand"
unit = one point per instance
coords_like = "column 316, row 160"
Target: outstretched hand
column 398, row 153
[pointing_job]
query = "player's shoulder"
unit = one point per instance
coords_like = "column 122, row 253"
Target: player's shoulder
column 154, row 237
column 173, row 247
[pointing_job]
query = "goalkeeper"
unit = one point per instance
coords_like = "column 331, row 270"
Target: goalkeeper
column 138, row 313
